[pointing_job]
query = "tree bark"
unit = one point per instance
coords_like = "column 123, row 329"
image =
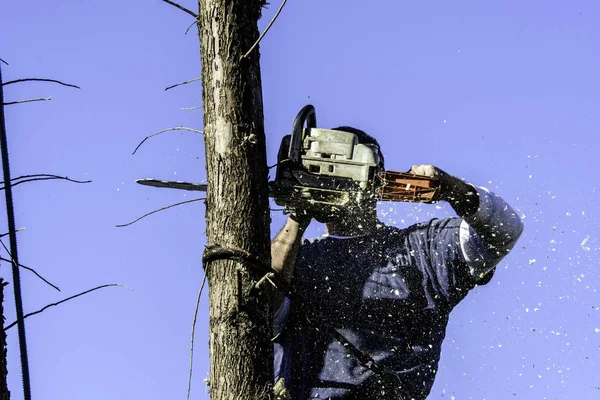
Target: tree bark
column 237, row 206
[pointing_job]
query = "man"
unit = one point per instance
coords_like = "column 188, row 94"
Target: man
column 388, row 291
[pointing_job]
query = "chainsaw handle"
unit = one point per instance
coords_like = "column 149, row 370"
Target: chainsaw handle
column 404, row 186
column 308, row 115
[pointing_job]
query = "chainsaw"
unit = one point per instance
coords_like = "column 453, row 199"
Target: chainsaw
column 323, row 171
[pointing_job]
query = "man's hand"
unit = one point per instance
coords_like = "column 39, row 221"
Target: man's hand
column 302, row 218
column 462, row 196
column 447, row 181
column 424, row 169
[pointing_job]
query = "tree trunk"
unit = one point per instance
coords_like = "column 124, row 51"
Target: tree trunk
column 4, row 393
column 237, row 207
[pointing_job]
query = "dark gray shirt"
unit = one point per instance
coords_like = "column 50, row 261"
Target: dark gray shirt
column 389, row 293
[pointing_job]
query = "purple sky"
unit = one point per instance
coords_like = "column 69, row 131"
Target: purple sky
column 503, row 94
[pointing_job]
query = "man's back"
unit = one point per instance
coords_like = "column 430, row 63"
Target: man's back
column 390, row 294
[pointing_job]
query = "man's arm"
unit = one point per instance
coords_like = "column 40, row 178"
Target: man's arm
column 489, row 234
column 490, row 227
column 284, row 250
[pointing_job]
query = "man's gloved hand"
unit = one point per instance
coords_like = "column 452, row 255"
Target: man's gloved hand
column 462, row 196
column 303, row 217
column 446, row 180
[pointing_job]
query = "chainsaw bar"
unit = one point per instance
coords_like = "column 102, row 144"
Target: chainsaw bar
column 198, row 187
column 394, row 186
column 201, row 187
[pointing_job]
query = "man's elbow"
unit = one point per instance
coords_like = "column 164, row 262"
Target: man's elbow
column 516, row 230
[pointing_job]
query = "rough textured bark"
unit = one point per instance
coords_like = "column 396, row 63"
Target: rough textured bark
column 4, row 393
column 237, row 208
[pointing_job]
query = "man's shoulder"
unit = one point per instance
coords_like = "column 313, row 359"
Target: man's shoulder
column 435, row 224
column 389, row 231
column 382, row 230
column 420, row 235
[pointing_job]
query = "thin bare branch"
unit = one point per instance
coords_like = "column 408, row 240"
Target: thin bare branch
column 193, row 14
column 13, row 262
column 3, row 61
column 40, row 80
column 193, row 337
column 189, row 27
column 8, row 233
column 190, row 108
column 158, row 210
column 265, row 31
column 178, row 128
column 40, row 177
column 28, row 100
column 62, row 301
column 52, row 176
column 183, row 83
column 30, row 269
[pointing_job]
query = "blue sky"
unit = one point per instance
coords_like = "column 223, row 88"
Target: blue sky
column 503, row 94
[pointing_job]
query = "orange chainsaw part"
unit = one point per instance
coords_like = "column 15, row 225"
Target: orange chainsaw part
column 401, row 186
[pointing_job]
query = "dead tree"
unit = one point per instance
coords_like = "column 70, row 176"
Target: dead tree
column 13, row 246
column 237, row 209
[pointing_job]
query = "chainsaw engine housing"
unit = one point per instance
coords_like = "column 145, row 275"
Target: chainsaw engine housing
column 323, row 170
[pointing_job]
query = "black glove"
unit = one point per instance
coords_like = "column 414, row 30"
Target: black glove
column 304, row 217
